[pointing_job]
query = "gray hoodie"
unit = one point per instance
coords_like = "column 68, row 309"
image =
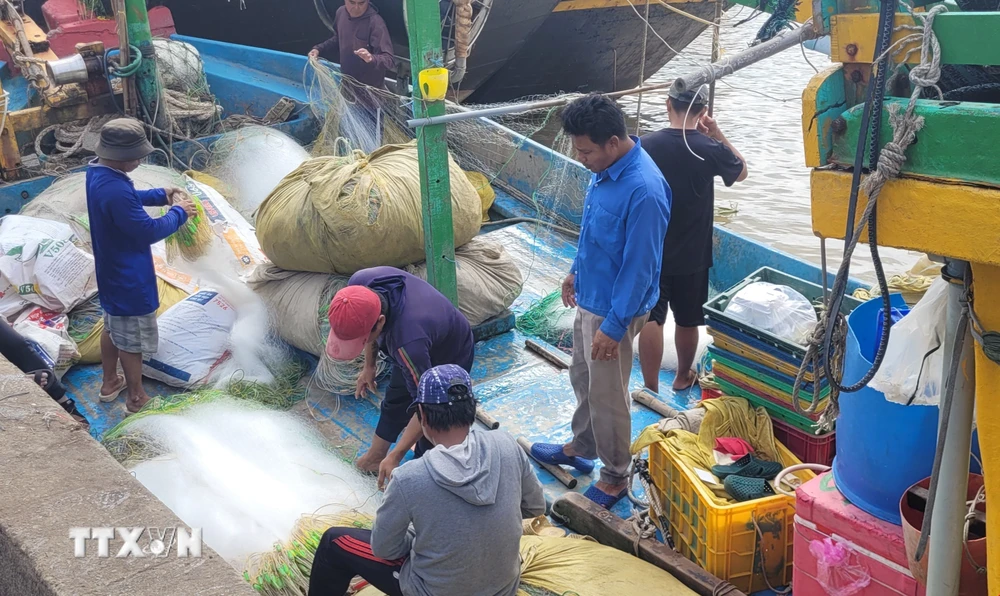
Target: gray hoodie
column 455, row 514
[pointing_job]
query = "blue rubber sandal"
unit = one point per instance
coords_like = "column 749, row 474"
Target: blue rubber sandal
column 602, row 498
column 550, row 453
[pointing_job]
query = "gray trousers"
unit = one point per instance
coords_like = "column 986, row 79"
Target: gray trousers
column 602, row 423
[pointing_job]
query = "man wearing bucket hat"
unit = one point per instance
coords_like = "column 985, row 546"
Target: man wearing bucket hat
column 691, row 153
column 455, row 510
column 121, row 234
column 417, row 327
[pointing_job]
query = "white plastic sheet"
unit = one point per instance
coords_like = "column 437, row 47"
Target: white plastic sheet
column 777, row 309
column 913, row 366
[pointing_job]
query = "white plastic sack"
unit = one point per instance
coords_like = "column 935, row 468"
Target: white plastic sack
column 40, row 259
column 777, row 309
column 48, row 330
column 11, row 302
column 913, row 366
column 194, row 334
column 488, row 279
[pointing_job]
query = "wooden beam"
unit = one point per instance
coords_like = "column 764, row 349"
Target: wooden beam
column 653, row 402
column 940, row 217
column 584, row 516
column 966, row 37
column 549, row 353
column 39, row 118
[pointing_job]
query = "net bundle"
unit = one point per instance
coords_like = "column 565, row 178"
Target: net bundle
column 359, row 117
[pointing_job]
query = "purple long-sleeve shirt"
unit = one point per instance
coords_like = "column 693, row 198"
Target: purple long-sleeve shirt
column 423, row 328
column 368, row 32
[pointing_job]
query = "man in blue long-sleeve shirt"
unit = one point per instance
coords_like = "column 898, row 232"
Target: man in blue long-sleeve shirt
column 613, row 282
column 121, row 233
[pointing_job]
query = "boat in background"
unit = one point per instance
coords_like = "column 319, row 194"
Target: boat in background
column 520, row 47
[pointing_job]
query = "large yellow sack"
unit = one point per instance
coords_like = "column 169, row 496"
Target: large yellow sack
column 583, row 568
column 90, row 348
column 342, row 214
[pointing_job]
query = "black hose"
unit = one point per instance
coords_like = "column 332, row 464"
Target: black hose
column 532, row 220
column 870, row 132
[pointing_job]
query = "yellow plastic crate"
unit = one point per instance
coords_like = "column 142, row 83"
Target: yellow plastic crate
column 722, row 538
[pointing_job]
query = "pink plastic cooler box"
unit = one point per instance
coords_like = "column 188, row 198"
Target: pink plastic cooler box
column 822, row 512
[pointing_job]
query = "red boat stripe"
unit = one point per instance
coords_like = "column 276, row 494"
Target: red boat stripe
column 362, row 549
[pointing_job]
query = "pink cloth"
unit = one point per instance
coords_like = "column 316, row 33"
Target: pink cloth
column 733, row 446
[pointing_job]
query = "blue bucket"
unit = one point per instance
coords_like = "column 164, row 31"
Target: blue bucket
column 883, row 448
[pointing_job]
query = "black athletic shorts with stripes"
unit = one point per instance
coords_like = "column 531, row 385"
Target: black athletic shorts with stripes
column 685, row 296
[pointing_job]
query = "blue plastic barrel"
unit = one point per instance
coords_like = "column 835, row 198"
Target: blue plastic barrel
column 883, row 448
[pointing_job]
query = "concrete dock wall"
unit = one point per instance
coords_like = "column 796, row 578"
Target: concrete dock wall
column 53, row 477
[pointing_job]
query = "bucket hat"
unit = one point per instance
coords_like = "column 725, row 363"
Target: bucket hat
column 123, row 139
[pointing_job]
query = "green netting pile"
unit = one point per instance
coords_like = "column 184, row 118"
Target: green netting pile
column 549, row 320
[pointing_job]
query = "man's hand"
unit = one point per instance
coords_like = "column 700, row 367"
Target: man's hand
column 174, row 194
column 708, row 126
column 366, row 382
column 603, row 347
column 385, row 469
column 313, row 54
column 364, row 55
column 187, row 204
column 569, row 292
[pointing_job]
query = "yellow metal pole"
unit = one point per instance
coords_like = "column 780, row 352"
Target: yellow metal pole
column 986, row 279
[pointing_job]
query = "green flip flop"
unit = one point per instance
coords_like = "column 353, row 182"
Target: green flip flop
column 749, row 466
column 747, row 489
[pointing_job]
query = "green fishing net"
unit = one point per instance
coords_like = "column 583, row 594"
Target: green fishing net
column 549, row 320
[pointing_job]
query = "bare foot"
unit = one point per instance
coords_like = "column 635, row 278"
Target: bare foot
column 136, row 403
column 609, row 489
column 113, row 386
column 687, row 381
column 368, row 463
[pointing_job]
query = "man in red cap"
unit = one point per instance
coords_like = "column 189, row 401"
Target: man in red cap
column 417, row 328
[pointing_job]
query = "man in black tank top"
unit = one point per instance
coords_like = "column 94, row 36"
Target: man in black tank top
column 690, row 154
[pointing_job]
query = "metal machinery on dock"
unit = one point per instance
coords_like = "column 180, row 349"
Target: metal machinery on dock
column 54, row 90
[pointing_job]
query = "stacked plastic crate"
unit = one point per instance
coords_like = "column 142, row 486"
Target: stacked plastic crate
column 761, row 367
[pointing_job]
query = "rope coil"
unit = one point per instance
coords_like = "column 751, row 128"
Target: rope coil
column 831, row 330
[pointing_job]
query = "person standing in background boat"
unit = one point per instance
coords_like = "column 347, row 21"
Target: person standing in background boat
column 365, row 52
column 613, row 284
column 365, row 48
column 387, row 309
column 690, row 154
column 450, row 524
column 121, row 233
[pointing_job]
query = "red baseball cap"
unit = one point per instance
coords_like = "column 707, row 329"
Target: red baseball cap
column 353, row 313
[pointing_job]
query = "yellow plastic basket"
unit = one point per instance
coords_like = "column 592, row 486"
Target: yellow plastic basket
column 724, row 539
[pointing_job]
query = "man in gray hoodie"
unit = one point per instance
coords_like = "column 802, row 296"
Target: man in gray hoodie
column 450, row 524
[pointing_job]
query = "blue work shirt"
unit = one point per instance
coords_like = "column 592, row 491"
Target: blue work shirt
column 625, row 217
column 121, row 233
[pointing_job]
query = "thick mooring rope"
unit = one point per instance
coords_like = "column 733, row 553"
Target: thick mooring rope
column 905, row 125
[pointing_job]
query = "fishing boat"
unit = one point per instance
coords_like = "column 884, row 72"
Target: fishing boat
column 520, row 47
column 524, row 392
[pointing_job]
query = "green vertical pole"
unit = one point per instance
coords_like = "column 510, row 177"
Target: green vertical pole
column 424, row 30
column 139, row 35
